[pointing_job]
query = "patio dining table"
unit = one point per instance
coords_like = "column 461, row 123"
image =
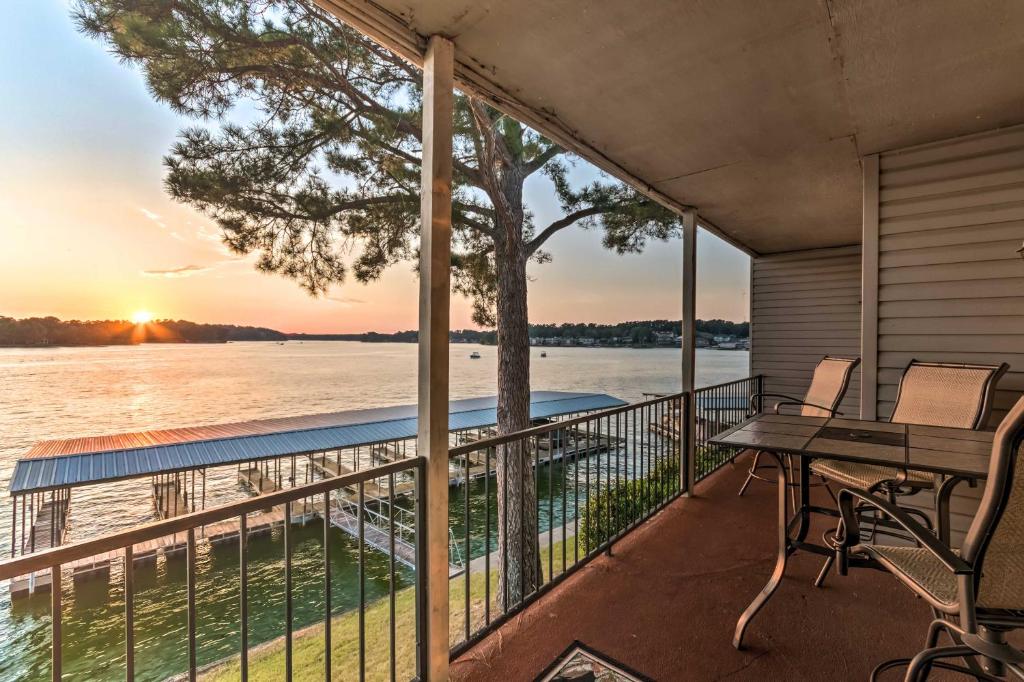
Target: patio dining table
column 956, row 454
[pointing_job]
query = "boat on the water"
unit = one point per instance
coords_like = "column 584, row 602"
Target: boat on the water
column 474, row 355
column 543, row 353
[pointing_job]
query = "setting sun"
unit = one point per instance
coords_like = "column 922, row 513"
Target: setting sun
column 142, row 316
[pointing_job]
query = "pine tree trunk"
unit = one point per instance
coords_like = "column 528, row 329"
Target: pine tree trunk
column 519, row 571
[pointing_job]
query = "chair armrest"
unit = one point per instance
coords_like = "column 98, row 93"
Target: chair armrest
column 849, row 498
column 788, row 400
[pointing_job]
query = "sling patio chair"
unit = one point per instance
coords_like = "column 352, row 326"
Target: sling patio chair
column 976, row 593
column 828, row 386
column 930, row 394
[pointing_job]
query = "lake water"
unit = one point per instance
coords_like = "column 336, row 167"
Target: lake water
column 66, row 392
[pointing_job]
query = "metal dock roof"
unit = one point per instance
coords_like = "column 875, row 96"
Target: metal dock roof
column 83, row 461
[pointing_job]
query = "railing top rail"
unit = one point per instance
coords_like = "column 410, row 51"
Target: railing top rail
column 543, row 429
column 727, row 383
column 63, row 554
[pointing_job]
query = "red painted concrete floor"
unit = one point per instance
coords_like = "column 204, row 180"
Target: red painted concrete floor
column 666, row 603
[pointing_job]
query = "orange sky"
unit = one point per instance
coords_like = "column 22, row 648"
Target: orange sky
column 88, row 232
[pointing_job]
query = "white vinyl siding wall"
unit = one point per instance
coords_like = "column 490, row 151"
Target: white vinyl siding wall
column 805, row 305
column 950, row 283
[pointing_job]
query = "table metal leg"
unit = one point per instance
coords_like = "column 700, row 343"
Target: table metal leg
column 942, row 496
column 785, row 547
column 804, row 508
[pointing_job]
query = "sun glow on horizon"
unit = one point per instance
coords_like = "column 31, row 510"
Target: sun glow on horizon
column 142, row 317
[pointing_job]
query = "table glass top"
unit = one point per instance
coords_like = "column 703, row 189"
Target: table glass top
column 925, row 448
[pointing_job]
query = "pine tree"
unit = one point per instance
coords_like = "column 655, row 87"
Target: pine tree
column 324, row 180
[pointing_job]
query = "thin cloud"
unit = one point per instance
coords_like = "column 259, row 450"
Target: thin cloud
column 217, row 242
column 183, row 271
column 155, row 217
column 345, row 302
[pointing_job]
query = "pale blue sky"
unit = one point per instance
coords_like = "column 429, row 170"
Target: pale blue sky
column 89, row 232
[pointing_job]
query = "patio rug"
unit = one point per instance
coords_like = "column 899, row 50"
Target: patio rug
column 580, row 663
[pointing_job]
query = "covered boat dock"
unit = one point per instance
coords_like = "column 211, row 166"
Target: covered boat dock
column 176, row 460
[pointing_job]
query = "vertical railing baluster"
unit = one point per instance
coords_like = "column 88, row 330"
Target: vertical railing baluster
column 606, row 536
column 362, row 582
column 465, row 557
column 590, row 521
column 632, row 435
column 551, row 505
column 422, row 654
column 129, row 613
column 565, row 493
column 288, row 589
column 659, row 409
column 243, row 595
column 327, row 585
column 505, row 452
column 681, row 444
column 576, row 498
column 523, row 454
column 684, row 437
column 620, row 479
column 56, row 624
column 610, row 479
column 391, row 575
column 646, row 434
column 487, row 537
column 656, row 456
column 190, row 575
column 702, row 398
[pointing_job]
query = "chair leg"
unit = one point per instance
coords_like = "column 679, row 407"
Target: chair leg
column 823, row 573
column 936, row 628
column 824, row 482
column 792, row 477
column 836, row 540
column 921, row 665
column 750, row 473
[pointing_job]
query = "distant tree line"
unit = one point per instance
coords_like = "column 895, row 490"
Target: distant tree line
column 50, row 331
column 624, row 333
column 409, row 336
column 638, row 332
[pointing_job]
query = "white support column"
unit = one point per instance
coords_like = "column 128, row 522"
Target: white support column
column 435, row 264
column 689, row 344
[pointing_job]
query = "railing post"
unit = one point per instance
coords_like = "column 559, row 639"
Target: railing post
column 435, row 264
column 689, row 340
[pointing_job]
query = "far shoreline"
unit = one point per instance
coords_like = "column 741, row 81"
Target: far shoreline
column 40, row 346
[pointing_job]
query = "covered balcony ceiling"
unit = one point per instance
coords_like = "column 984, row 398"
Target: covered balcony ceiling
column 755, row 113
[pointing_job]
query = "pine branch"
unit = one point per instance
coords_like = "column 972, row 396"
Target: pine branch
column 564, row 222
column 538, row 162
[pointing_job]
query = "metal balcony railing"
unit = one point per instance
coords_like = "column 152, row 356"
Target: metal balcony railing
column 324, row 497
column 595, row 478
column 718, row 408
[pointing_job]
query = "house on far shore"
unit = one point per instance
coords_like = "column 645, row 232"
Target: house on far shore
column 666, row 338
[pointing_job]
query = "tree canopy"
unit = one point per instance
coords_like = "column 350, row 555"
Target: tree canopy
column 322, row 181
